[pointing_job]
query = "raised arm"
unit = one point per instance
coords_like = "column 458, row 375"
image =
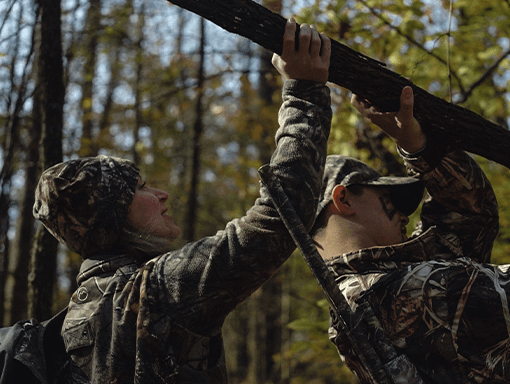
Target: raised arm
column 205, row 280
column 461, row 203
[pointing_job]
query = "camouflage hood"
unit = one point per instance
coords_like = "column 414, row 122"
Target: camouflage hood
column 84, row 202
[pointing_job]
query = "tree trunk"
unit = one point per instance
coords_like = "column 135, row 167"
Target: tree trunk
column 366, row 77
column 4, row 248
column 89, row 146
column 198, row 127
column 5, row 202
column 138, row 81
column 20, row 249
column 44, row 253
column 15, row 284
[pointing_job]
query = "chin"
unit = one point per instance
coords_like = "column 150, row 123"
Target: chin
column 175, row 233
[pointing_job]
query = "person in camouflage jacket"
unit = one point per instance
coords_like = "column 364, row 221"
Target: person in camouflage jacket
column 438, row 299
column 134, row 320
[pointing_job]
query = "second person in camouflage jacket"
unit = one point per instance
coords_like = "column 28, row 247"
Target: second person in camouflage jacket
column 436, row 296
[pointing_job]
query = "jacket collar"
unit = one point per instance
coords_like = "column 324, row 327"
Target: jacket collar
column 104, row 264
column 416, row 249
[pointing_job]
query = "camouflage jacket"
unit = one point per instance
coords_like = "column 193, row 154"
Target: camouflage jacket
column 436, row 296
column 161, row 322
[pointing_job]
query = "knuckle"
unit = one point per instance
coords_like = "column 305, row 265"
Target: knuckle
column 288, row 38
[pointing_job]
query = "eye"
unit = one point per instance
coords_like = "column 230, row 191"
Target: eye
column 386, row 199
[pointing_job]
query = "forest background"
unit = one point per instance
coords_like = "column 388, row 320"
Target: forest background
column 196, row 108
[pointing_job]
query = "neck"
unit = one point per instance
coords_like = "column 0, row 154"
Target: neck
column 340, row 237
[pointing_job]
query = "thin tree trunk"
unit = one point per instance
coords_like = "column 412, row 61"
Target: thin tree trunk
column 5, row 202
column 138, row 81
column 15, row 305
column 4, row 248
column 285, row 321
column 44, row 253
column 92, row 27
column 20, row 250
column 184, row 75
column 198, row 127
column 113, row 82
column 366, row 77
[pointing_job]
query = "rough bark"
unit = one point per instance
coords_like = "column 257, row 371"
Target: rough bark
column 44, row 256
column 365, row 77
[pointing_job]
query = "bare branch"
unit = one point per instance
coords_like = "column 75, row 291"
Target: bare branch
column 414, row 42
column 487, row 73
column 7, row 13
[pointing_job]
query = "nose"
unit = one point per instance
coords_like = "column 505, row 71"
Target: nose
column 404, row 219
column 161, row 195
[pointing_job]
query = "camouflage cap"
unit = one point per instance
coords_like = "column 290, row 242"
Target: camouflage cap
column 84, row 202
column 406, row 192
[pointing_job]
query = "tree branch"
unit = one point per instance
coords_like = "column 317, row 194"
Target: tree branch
column 487, row 73
column 366, row 77
column 413, row 42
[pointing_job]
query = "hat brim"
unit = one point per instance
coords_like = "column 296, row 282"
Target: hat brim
column 406, row 192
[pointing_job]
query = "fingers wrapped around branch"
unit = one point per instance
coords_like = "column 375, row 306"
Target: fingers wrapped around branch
column 405, row 130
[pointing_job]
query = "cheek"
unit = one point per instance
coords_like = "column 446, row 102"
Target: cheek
column 143, row 211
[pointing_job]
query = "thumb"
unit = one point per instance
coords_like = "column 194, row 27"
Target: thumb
column 405, row 113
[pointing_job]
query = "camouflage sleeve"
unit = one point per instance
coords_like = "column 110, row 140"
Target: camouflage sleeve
column 460, row 202
column 205, row 280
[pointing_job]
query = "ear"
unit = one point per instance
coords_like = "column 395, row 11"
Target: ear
column 340, row 197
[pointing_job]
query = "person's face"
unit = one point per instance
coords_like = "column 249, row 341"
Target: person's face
column 382, row 222
column 148, row 212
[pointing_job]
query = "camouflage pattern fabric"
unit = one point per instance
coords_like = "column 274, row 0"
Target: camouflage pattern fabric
column 84, row 202
column 406, row 192
column 436, row 296
column 161, row 322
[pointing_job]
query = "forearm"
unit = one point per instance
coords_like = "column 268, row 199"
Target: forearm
column 460, row 200
column 298, row 162
column 207, row 279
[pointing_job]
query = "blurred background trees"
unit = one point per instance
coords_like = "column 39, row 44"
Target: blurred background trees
column 196, row 108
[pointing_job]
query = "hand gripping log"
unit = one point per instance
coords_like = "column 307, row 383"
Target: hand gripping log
column 363, row 329
column 366, row 77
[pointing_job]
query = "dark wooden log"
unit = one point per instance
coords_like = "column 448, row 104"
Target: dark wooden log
column 365, row 77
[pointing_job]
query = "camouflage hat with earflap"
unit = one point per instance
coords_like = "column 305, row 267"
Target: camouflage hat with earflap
column 406, row 192
column 84, row 202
